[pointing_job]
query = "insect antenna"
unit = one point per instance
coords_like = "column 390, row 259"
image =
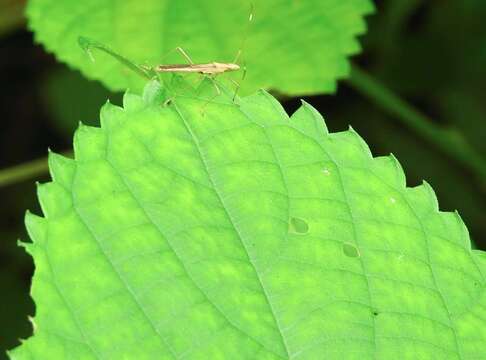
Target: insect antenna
column 88, row 44
column 245, row 36
column 188, row 58
column 241, row 51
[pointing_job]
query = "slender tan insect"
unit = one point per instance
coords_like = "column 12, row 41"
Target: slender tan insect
column 212, row 68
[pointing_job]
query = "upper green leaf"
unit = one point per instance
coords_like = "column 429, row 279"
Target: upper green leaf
column 191, row 226
column 294, row 47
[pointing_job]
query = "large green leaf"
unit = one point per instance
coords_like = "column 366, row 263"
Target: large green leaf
column 190, row 226
column 294, row 47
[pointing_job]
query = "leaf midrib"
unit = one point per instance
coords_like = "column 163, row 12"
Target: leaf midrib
column 238, row 232
column 127, row 285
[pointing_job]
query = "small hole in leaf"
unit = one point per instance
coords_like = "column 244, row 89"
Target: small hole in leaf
column 350, row 250
column 375, row 313
column 299, row 226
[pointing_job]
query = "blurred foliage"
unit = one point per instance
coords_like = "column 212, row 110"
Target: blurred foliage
column 70, row 98
column 430, row 52
column 442, row 72
column 313, row 41
column 11, row 15
column 15, row 268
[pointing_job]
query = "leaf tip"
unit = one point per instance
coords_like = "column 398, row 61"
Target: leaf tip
column 54, row 199
column 431, row 194
column 390, row 168
column 132, row 102
column 109, row 114
column 360, row 142
column 89, row 143
column 36, row 228
column 61, row 168
column 307, row 116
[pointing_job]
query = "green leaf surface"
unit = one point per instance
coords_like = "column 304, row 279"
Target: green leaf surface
column 295, row 47
column 189, row 226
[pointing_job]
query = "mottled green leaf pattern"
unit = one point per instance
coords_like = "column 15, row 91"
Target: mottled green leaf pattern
column 295, row 47
column 199, row 228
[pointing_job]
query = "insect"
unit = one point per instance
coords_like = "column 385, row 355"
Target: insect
column 211, row 69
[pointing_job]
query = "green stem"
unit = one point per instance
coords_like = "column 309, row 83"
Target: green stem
column 448, row 140
column 25, row 171
column 396, row 14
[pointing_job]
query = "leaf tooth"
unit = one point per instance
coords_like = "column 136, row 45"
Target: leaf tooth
column 132, row 102
column 346, row 149
column 61, row 168
column 274, row 103
column 315, row 114
column 399, row 171
column 154, row 91
column 54, row 199
column 360, row 142
column 453, row 224
column 309, row 121
column 110, row 115
column 36, row 228
column 463, row 229
column 480, row 257
column 421, row 200
column 431, row 194
column 448, row 224
column 389, row 170
column 264, row 109
column 89, row 143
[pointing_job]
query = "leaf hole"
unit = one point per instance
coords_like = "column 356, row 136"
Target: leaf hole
column 350, row 250
column 298, row 226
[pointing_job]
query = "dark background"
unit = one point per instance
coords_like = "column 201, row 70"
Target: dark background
column 431, row 53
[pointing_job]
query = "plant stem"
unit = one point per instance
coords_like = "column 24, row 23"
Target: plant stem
column 25, row 171
column 449, row 141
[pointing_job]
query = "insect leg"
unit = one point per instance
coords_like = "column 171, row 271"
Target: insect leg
column 237, row 84
column 237, row 88
column 183, row 53
column 88, row 44
column 218, row 93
